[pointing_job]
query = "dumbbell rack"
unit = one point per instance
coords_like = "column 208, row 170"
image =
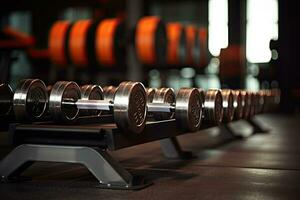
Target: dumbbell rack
column 88, row 143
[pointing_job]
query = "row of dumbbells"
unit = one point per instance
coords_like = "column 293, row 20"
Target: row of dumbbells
column 131, row 104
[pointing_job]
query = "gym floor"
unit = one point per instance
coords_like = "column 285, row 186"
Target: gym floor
column 262, row 166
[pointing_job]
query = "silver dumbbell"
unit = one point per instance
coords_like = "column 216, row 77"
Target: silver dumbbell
column 213, row 107
column 228, row 105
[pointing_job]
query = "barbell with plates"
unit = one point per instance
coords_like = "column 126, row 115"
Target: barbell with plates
column 213, row 107
column 128, row 105
column 228, row 105
column 6, row 98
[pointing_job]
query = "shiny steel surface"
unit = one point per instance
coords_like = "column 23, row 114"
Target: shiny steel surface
column 130, row 107
column 188, row 109
column 64, row 90
column 150, row 94
column 228, row 105
column 213, row 106
column 109, row 92
column 6, row 98
column 30, row 100
column 91, row 92
column 164, row 95
column 246, row 102
column 238, row 104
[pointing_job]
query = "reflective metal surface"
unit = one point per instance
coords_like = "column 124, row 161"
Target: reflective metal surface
column 64, row 90
column 188, row 109
column 150, row 94
column 6, row 98
column 164, row 95
column 30, row 100
column 246, row 102
column 213, row 106
column 109, row 92
column 228, row 105
column 238, row 104
column 130, row 108
column 91, row 92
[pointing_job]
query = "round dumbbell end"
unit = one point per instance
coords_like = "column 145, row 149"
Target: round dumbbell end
column 188, row 109
column 164, row 95
column 61, row 91
column 130, row 109
column 6, row 98
column 30, row 100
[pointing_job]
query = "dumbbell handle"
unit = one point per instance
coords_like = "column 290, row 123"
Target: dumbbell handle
column 160, row 107
column 89, row 104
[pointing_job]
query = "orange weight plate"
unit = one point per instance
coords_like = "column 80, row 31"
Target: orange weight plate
column 57, row 42
column 176, row 49
column 78, row 43
column 193, row 45
column 150, row 40
column 108, row 41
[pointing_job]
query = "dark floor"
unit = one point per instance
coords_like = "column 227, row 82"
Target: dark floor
column 262, row 166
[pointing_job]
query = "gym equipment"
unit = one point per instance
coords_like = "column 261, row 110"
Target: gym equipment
column 228, row 105
column 128, row 105
column 213, row 107
column 6, row 98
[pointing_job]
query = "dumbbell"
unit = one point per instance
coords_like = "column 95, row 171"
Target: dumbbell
column 238, row 104
column 186, row 107
column 6, row 98
column 228, row 105
column 213, row 107
column 128, row 105
column 31, row 98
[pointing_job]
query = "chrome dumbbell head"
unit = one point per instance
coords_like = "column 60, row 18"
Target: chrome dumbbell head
column 164, row 95
column 246, row 102
column 30, row 100
column 6, row 98
column 91, row 92
column 150, row 94
column 62, row 91
column 130, row 107
column 238, row 104
column 228, row 105
column 213, row 106
column 109, row 92
column 188, row 109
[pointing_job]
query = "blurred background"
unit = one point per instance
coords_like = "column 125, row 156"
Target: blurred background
column 249, row 44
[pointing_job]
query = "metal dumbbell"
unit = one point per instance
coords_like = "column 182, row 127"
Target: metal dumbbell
column 6, row 98
column 246, row 102
column 128, row 105
column 213, row 107
column 228, row 105
column 186, row 107
column 238, row 104
column 91, row 92
column 30, row 100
